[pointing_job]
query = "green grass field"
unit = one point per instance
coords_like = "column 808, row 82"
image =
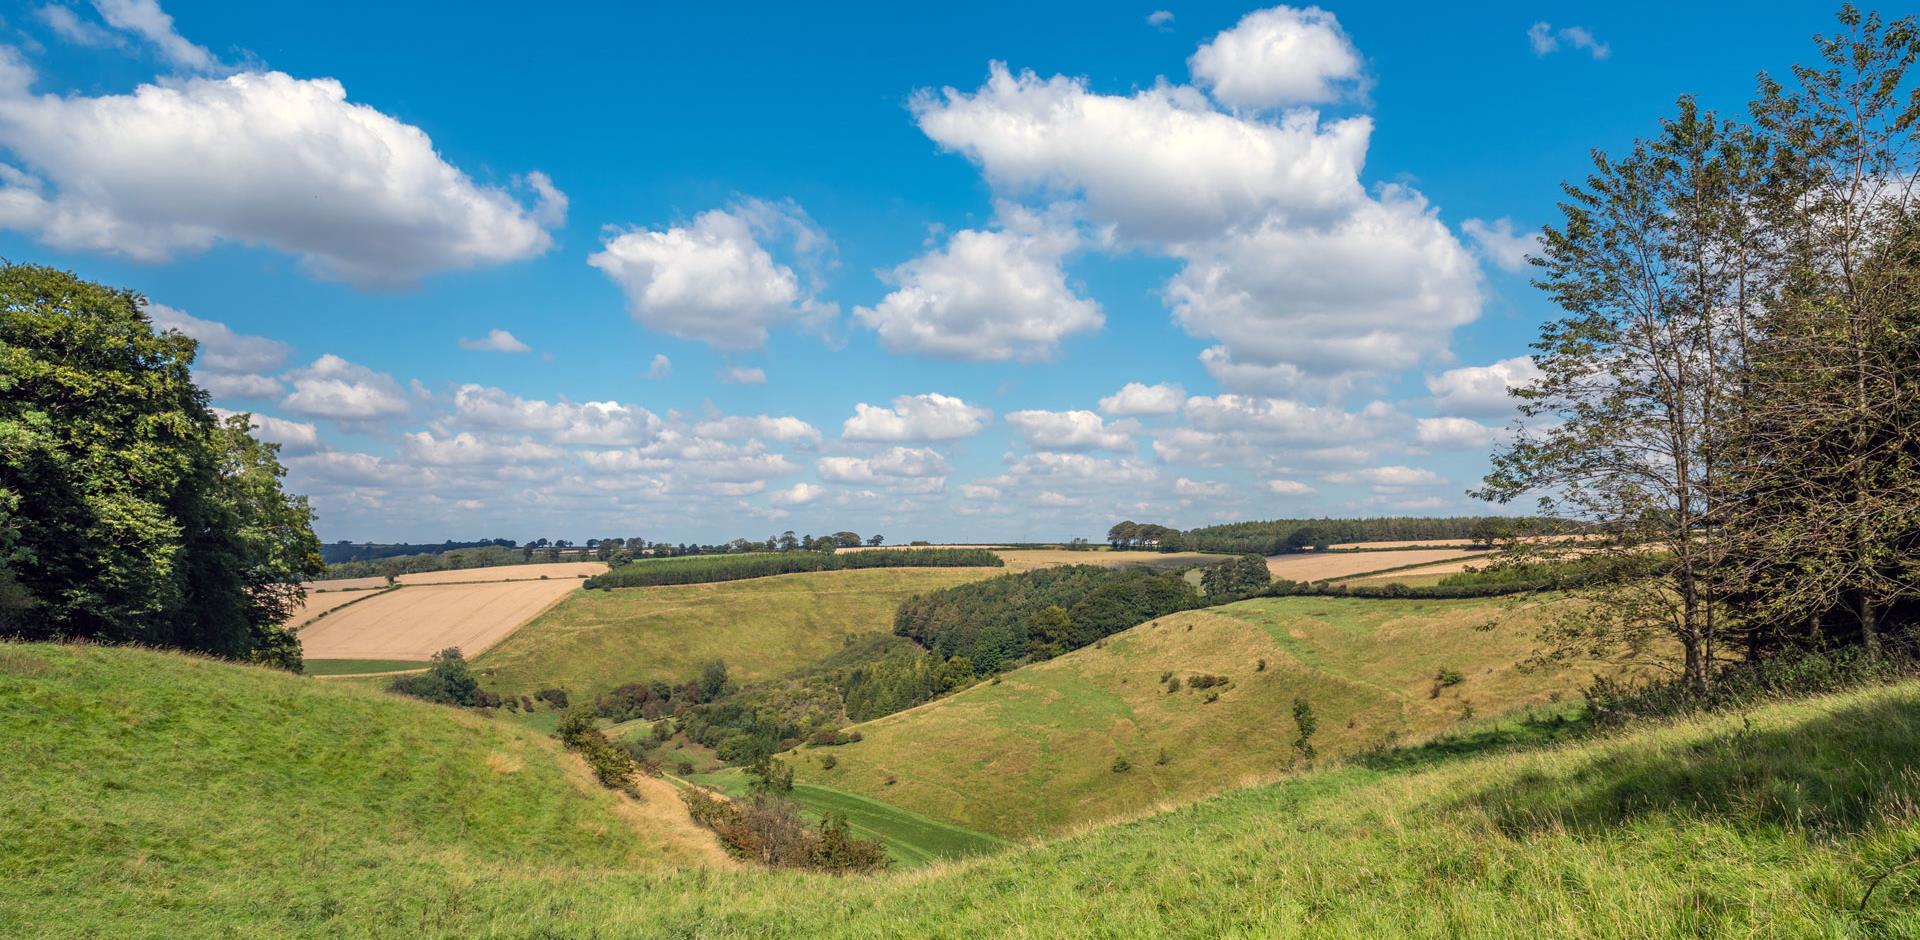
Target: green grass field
column 911, row 839
column 763, row 628
column 348, row 667
column 1035, row 753
column 154, row 795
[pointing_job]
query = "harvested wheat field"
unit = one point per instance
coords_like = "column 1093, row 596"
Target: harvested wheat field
column 1321, row 566
column 319, row 602
column 552, row 571
column 416, row 622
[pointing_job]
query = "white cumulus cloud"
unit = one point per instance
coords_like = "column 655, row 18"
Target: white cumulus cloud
column 332, row 387
column 495, row 341
column 987, row 295
column 1137, row 400
column 1070, row 430
column 1482, row 390
column 712, row 279
column 927, row 417
column 1276, row 57
column 257, row 158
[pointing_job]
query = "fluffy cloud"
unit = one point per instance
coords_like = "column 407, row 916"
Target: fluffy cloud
column 1160, row 18
column 1085, row 469
column 222, row 385
column 743, row 375
column 594, row 422
column 334, row 388
column 145, row 19
column 1546, row 41
column 343, row 468
column 466, row 448
column 495, row 341
column 1276, row 57
column 898, row 462
column 1482, row 390
column 221, row 349
column 1135, row 399
column 258, row 158
column 1289, row 488
column 1207, row 489
column 1069, row 430
column 1462, row 433
column 928, row 417
column 1499, row 244
column 1291, row 306
column 696, row 460
column 1285, row 421
column 713, row 280
column 797, row 494
column 661, row 367
column 988, row 295
column 1303, row 279
column 735, row 427
column 1388, row 478
column 1160, row 165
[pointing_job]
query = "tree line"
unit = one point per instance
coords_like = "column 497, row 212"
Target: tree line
column 1279, row 536
column 1733, row 386
column 702, row 570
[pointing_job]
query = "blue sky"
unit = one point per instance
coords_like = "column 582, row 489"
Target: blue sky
column 888, row 269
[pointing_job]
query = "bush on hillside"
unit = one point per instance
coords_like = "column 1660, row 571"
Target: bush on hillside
column 771, row 832
column 612, row 765
column 446, row 681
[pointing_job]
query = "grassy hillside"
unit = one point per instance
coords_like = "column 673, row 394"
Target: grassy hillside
column 143, row 779
column 762, row 628
column 156, row 796
column 1035, row 752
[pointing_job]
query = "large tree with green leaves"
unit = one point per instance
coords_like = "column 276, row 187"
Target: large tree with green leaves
column 128, row 511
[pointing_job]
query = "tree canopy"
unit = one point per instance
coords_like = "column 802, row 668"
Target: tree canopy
column 129, row 511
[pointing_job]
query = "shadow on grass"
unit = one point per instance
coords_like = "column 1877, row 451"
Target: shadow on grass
column 1840, row 774
column 1522, row 734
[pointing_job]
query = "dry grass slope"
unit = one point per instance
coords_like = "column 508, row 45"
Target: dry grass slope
column 1034, row 753
column 762, row 628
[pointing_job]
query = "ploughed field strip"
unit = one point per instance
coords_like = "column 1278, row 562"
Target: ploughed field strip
column 417, row 621
column 1321, row 566
column 551, row 571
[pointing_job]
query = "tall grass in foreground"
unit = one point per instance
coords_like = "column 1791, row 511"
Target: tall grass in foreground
column 125, row 822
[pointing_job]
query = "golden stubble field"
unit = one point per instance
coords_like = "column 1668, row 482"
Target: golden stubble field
column 1319, row 566
column 417, row 621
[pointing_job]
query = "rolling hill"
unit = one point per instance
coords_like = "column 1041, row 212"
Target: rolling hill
column 157, row 795
column 762, row 628
column 1035, row 752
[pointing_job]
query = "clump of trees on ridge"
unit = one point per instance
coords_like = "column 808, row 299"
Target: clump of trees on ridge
column 129, row 511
